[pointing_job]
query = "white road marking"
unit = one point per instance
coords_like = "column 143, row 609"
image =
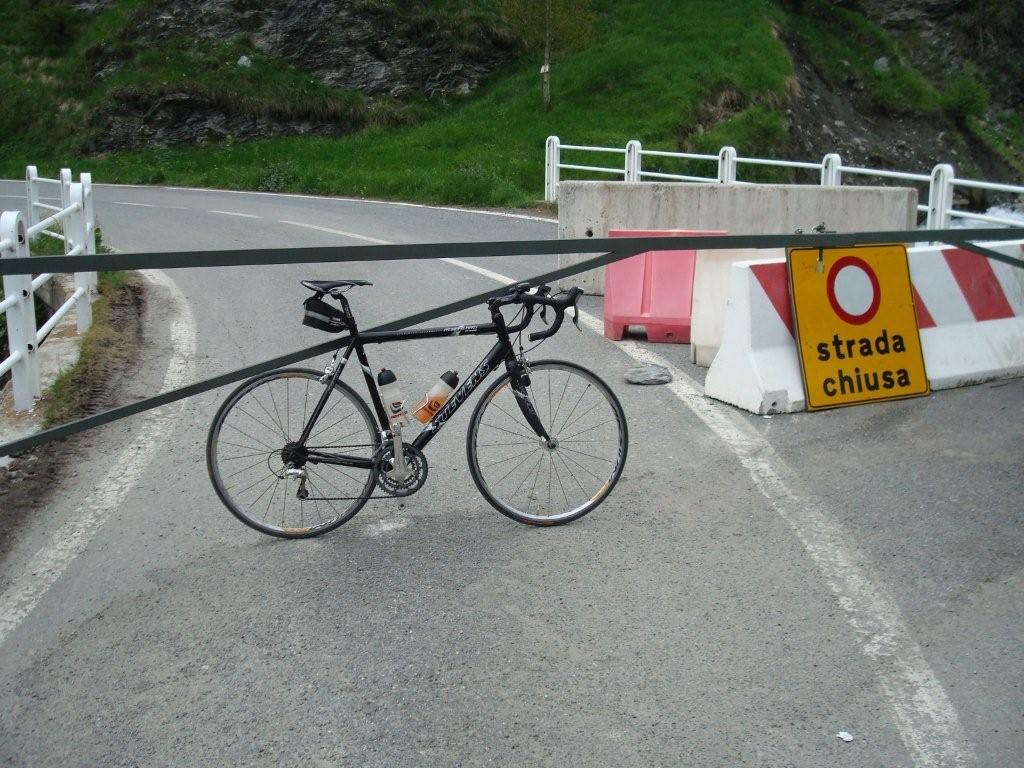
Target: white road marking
column 925, row 717
column 152, row 430
column 341, row 232
column 480, row 271
column 234, row 213
column 134, row 205
column 479, row 211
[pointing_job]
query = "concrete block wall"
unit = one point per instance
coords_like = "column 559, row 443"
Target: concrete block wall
column 592, row 208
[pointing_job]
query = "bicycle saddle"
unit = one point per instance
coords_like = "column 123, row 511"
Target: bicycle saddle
column 329, row 286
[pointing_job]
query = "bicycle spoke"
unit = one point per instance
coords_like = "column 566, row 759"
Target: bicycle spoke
column 591, row 456
column 245, row 455
column 339, row 490
column 270, row 391
column 536, row 477
column 562, row 397
column 517, row 434
column 507, row 458
column 323, row 497
column 558, row 478
column 326, row 413
column 517, row 466
column 582, row 415
column 343, row 437
column 245, row 434
column 573, row 475
column 539, row 460
column 594, row 473
column 260, row 479
column 305, row 402
column 339, row 421
column 243, row 469
column 514, row 419
column 550, row 419
column 574, row 407
column 258, row 421
column 270, row 501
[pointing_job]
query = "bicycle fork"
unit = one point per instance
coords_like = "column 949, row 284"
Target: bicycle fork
column 520, row 383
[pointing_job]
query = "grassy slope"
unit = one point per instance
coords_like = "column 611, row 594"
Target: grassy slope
column 645, row 75
column 650, row 71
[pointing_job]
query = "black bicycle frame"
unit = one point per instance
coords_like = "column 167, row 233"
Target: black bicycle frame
column 501, row 352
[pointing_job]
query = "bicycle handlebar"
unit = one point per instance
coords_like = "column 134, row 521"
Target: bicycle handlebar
column 559, row 302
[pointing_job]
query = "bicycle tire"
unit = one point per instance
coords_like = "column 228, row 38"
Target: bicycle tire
column 594, row 472
column 275, row 428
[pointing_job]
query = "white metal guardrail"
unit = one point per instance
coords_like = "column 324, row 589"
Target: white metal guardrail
column 942, row 180
column 76, row 217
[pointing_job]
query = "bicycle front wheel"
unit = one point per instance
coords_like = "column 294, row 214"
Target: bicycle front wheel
column 534, row 482
column 255, row 431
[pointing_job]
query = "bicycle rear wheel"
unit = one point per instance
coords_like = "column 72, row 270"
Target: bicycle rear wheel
column 251, row 437
column 540, row 484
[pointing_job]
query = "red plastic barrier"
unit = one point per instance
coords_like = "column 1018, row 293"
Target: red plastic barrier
column 653, row 289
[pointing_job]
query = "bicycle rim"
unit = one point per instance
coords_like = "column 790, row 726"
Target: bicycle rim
column 535, row 483
column 246, row 447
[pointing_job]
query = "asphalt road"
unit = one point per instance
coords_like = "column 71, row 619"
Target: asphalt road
column 751, row 588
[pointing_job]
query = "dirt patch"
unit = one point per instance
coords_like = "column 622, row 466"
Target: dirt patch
column 109, row 355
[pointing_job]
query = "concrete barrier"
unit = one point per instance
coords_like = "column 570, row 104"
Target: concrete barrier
column 757, row 367
column 970, row 311
column 592, row 208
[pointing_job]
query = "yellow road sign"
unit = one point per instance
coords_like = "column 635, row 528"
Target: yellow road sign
column 856, row 328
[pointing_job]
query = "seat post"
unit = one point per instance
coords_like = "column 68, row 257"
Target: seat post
column 350, row 319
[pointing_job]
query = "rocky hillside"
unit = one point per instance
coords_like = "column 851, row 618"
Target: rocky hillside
column 439, row 100
column 164, row 72
column 911, row 84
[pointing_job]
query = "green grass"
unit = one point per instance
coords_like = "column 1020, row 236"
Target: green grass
column 691, row 74
column 844, row 45
column 648, row 71
column 1004, row 133
column 101, row 347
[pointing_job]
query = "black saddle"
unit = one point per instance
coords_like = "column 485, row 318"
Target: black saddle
column 333, row 287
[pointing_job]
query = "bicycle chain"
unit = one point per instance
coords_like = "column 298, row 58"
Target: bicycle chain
column 352, row 498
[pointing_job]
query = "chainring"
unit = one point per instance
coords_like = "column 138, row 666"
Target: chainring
column 415, row 461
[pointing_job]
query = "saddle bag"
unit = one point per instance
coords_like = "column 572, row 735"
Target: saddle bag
column 318, row 314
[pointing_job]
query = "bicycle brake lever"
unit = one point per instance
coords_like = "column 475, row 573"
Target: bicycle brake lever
column 544, row 314
column 576, row 317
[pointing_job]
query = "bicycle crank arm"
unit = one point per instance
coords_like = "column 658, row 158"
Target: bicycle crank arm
column 400, row 469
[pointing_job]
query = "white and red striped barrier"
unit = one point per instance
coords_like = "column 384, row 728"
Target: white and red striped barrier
column 970, row 310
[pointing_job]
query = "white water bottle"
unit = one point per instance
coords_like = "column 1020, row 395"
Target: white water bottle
column 391, row 394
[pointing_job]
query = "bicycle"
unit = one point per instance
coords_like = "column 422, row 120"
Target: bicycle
column 546, row 442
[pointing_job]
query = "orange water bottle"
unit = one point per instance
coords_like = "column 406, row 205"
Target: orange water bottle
column 436, row 397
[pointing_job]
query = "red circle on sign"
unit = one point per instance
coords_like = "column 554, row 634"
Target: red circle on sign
column 876, row 292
